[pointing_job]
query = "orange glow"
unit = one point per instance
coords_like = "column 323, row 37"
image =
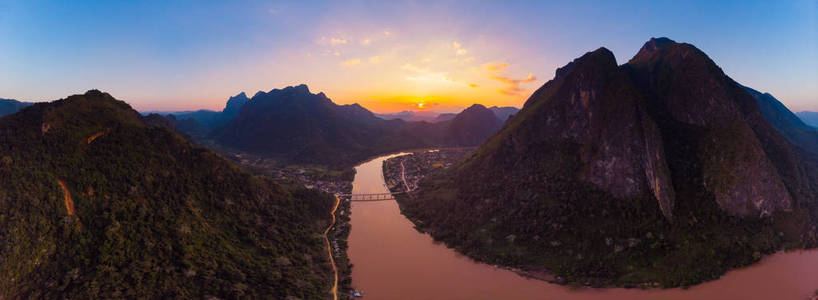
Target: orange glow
column 421, row 105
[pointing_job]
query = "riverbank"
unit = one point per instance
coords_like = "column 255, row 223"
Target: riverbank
column 395, row 261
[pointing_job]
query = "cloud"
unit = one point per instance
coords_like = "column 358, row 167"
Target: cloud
column 337, row 41
column 424, row 74
column 336, row 53
column 375, row 59
column 458, row 49
column 387, row 33
column 366, row 42
column 351, row 62
column 474, row 85
column 334, row 41
column 497, row 72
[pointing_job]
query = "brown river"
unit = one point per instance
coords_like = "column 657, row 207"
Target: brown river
column 394, row 261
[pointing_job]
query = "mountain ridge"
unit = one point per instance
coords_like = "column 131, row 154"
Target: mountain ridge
column 651, row 171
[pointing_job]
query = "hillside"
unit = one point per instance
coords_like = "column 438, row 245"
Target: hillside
column 9, row 106
column 471, row 127
column 659, row 170
column 96, row 203
column 786, row 122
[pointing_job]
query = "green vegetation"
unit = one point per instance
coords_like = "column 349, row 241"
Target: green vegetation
column 586, row 236
column 564, row 185
column 155, row 216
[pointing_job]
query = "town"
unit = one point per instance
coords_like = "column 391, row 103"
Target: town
column 403, row 173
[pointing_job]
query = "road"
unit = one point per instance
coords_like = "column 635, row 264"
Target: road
column 403, row 175
column 329, row 251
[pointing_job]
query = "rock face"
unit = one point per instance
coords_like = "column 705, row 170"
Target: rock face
column 649, row 147
column 683, row 82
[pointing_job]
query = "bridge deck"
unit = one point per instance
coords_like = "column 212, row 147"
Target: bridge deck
column 371, row 197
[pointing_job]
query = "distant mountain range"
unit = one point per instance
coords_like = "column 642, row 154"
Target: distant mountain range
column 431, row 116
column 10, row 106
column 661, row 170
column 99, row 202
column 407, row 115
column 809, row 117
column 297, row 126
column 786, row 122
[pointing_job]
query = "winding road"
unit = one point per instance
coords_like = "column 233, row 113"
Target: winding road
column 329, row 251
column 403, row 175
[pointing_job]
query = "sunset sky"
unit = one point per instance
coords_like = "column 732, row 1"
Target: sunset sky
column 386, row 55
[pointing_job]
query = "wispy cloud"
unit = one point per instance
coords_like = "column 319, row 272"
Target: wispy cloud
column 366, row 42
column 375, row 59
column 337, row 41
column 350, row 62
column 458, row 49
column 332, row 41
column 497, row 72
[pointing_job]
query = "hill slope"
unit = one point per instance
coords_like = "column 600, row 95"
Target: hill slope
column 9, row 106
column 786, row 122
column 471, row 127
column 660, row 170
column 94, row 203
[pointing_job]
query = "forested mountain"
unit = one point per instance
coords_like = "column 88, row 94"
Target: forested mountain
column 295, row 125
column 659, row 170
column 10, row 106
column 472, row 126
column 97, row 203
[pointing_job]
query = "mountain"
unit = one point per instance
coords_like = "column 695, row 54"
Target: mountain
column 786, row 122
column 414, row 116
column 10, row 106
column 659, row 170
column 297, row 126
column 199, row 123
column 97, row 203
column 504, row 112
column 809, row 117
column 472, row 126
column 444, row 117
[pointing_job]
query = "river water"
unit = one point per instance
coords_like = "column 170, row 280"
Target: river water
column 393, row 261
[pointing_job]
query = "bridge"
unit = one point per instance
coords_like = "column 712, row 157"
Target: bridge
column 371, row 197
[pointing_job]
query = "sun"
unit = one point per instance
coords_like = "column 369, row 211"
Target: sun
column 421, row 105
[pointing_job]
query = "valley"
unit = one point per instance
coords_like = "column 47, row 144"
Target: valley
column 453, row 150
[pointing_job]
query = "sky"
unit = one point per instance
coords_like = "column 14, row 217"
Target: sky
column 386, row 55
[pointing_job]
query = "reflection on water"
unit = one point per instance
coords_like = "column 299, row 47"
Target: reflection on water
column 393, row 261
